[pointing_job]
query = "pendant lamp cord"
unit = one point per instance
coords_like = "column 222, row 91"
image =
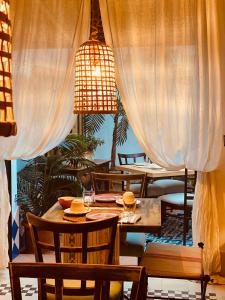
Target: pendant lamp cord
column 96, row 29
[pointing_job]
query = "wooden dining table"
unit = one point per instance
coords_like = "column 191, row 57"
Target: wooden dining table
column 149, row 211
column 153, row 172
column 149, row 221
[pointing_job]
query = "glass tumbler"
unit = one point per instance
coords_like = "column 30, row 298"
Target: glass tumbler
column 88, row 198
column 129, row 208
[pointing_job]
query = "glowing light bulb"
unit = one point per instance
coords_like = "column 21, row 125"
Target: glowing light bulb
column 96, row 71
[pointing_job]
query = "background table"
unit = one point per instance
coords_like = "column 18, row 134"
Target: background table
column 153, row 173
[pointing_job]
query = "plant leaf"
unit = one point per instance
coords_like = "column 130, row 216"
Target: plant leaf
column 93, row 123
column 122, row 130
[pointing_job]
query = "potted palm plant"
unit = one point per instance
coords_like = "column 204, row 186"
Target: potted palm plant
column 90, row 142
column 43, row 180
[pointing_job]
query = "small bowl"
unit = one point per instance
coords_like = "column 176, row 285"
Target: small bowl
column 65, row 201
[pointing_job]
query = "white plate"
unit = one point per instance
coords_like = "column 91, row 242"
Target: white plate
column 120, row 202
column 70, row 212
column 148, row 166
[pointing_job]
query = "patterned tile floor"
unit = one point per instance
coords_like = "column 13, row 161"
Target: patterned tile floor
column 172, row 232
column 29, row 291
column 168, row 294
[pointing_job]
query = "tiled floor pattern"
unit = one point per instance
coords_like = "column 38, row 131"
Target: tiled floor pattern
column 188, row 289
column 29, row 291
column 168, row 294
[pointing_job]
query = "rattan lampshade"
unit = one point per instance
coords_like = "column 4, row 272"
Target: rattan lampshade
column 95, row 87
column 7, row 122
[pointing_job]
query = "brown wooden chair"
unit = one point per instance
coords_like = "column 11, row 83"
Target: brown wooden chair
column 100, row 275
column 132, row 243
column 81, row 249
column 177, row 262
column 130, row 159
column 111, row 182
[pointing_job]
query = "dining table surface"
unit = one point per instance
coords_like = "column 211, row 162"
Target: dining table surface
column 148, row 213
column 152, row 170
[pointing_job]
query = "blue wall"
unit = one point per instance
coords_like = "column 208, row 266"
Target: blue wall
column 104, row 151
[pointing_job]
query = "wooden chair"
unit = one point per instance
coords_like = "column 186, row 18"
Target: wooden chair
column 157, row 187
column 180, row 201
column 127, row 159
column 111, row 182
column 177, row 262
column 132, row 243
column 130, row 159
column 100, row 275
column 81, row 249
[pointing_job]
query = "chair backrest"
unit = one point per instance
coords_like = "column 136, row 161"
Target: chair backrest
column 111, row 182
column 189, row 189
column 130, row 158
column 100, row 274
column 87, row 241
column 190, row 181
column 83, row 229
column 189, row 185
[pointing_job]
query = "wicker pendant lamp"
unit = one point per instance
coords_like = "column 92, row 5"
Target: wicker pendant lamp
column 7, row 122
column 95, row 86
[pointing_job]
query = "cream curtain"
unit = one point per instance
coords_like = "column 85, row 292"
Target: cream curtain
column 168, row 56
column 46, row 35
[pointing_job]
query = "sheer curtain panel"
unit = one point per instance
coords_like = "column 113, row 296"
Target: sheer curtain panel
column 169, row 72
column 46, row 35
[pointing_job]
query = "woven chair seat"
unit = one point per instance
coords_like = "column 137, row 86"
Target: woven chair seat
column 177, row 199
column 173, row 261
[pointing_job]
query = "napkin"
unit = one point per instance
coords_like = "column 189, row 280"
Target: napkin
column 154, row 166
column 130, row 220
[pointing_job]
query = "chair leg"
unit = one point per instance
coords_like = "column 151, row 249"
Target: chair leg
column 204, row 283
column 145, row 292
column 163, row 212
column 139, row 260
column 122, row 296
